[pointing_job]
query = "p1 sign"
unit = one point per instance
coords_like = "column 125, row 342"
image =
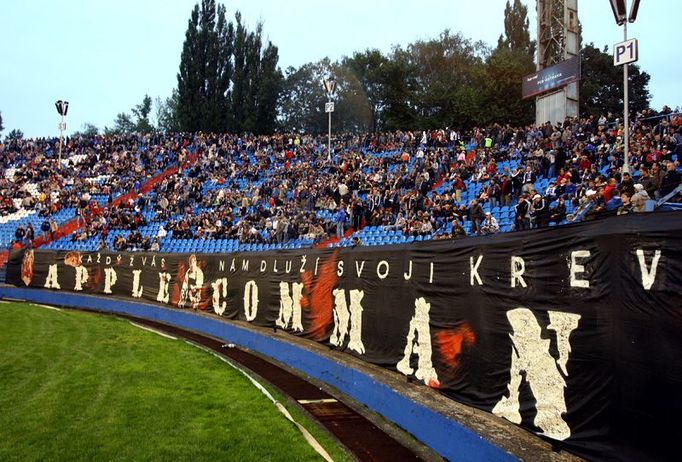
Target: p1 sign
column 625, row 52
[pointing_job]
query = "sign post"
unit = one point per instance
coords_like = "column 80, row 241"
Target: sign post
column 624, row 53
column 329, row 86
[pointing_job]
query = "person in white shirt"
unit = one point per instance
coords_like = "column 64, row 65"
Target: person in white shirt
column 489, row 225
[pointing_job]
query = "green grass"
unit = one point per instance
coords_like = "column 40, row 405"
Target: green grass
column 77, row 386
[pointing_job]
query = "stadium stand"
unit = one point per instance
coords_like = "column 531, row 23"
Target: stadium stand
column 225, row 193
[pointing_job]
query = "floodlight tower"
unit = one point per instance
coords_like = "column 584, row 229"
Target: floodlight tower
column 329, row 85
column 558, row 40
column 62, row 109
column 620, row 14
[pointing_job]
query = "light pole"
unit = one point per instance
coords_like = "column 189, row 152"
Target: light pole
column 62, row 109
column 329, row 85
column 622, row 18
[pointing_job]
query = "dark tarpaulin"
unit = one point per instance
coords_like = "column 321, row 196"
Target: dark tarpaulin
column 582, row 346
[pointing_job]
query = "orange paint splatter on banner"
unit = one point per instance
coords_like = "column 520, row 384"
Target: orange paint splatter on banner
column 450, row 343
column 433, row 383
column 317, row 297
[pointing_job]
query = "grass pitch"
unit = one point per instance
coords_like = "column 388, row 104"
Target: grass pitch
column 76, row 386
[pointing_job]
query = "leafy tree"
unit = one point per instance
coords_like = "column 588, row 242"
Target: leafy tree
column 189, row 78
column 15, row 134
column 302, row 103
column 123, row 124
column 398, row 93
column 166, row 113
column 505, row 67
column 516, row 36
column 1, row 127
column 366, row 69
column 239, row 79
column 88, row 130
column 141, row 112
column 270, row 84
column 227, row 80
column 601, row 84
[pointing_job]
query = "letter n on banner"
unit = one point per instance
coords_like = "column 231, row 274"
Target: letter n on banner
column 530, row 355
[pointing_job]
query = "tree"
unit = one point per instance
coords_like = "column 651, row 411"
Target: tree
column 15, row 134
column 505, row 67
column 1, row 127
column 516, row 36
column 601, row 84
column 239, row 77
column 398, row 92
column 366, row 69
column 270, row 85
column 88, row 130
column 141, row 112
column 227, row 81
column 166, row 113
column 303, row 98
column 123, row 124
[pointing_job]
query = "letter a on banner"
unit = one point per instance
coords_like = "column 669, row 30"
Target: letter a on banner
column 419, row 343
column 530, row 354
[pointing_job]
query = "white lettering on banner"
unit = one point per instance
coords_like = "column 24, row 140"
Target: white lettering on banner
column 575, row 268
column 250, row 300
column 137, row 287
column 52, row 282
column 263, row 266
column 345, row 319
column 407, row 276
column 339, row 268
column 382, row 274
column 474, row 270
column 287, row 266
column 290, row 306
column 81, row 278
column 110, row 279
column 219, row 290
column 358, row 269
column 419, row 343
column 530, row 355
column 164, row 283
column 245, row 265
column 648, row 275
column 518, row 267
column 304, row 258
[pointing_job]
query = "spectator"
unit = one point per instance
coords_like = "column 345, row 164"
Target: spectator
column 489, row 225
column 476, row 215
column 670, row 180
column 340, row 221
column 522, row 214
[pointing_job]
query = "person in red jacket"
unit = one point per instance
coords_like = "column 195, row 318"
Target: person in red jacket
column 608, row 190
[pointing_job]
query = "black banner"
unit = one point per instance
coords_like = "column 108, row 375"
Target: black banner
column 552, row 77
column 575, row 332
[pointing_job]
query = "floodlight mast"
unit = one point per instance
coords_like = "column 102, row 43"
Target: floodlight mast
column 62, row 110
column 619, row 8
column 329, row 85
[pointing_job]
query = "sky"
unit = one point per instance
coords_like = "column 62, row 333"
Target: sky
column 103, row 56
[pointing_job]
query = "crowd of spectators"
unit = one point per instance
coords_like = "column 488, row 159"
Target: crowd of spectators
column 270, row 189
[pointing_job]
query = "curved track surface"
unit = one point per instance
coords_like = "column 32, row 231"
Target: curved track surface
column 360, row 436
